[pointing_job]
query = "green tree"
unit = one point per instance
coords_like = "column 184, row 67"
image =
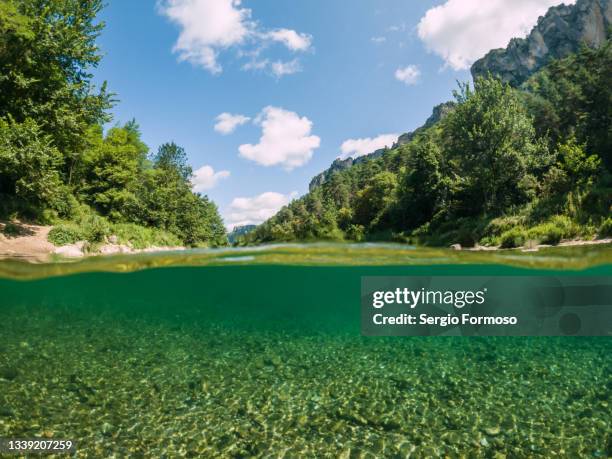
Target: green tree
column 173, row 159
column 491, row 137
column 47, row 49
column 572, row 97
column 110, row 172
column 423, row 188
column 373, row 202
column 29, row 179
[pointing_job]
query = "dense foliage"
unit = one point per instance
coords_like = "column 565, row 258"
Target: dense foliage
column 506, row 166
column 55, row 161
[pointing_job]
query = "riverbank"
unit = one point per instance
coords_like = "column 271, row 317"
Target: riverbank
column 31, row 242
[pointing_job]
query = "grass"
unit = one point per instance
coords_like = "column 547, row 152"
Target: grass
column 97, row 230
column 605, row 230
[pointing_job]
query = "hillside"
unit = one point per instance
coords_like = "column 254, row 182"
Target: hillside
column 507, row 164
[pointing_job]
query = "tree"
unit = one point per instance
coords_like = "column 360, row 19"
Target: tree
column 47, row 50
column 28, row 168
column 491, row 137
column 110, row 172
column 423, row 188
column 173, row 159
column 572, row 97
column 373, row 201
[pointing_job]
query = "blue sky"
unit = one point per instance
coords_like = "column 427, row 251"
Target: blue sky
column 299, row 79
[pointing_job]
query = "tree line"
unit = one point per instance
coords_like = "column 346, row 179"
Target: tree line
column 506, row 166
column 56, row 163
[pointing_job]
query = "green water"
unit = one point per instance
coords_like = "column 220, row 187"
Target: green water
column 259, row 354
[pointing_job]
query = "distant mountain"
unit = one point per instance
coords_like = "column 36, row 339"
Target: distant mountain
column 439, row 112
column 559, row 33
column 239, row 231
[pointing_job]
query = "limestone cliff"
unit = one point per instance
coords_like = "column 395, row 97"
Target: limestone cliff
column 560, row 32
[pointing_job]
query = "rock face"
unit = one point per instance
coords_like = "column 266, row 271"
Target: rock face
column 439, row 112
column 560, row 32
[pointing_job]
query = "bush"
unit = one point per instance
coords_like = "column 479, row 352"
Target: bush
column 553, row 231
column 546, row 233
column 500, row 225
column 140, row 237
column 605, row 230
column 65, row 234
column 96, row 229
column 515, row 237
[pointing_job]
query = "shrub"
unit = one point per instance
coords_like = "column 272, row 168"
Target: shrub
column 65, row 234
column 140, row 237
column 96, row 229
column 514, row 237
column 557, row 228
column 546, row 233
column 500, row 225
column 605, row 230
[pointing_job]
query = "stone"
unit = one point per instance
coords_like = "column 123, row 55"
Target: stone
column 560, row 32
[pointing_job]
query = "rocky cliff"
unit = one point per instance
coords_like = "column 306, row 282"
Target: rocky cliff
column 561, row 31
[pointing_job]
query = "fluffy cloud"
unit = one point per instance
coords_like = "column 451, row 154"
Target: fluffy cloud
column 359, row 147
column 408, row 75
column 286, row 139
column 227, row 123
column 208, row 27
column 291, row 39
column 378, row 40
column 461, row 31
column 206, row 178
column 256, row 209
column 280, row 68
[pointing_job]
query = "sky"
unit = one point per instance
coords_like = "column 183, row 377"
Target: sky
column 263, row 95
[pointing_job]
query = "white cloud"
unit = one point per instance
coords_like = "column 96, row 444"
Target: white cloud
column 291, row 39
column 256, row 209
column 378, row 40
column 286, row 139
column 462, row 31
column 408, row 75
column 206, row 178
column 359, row 147
column 280, row 68
column 227, row 123
column 208, row 27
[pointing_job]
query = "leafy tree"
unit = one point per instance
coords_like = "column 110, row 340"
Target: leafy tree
column 47, row 49
column 28, row 168
column 572, row 97
column 173, row 159
column 373, row 202
column 492, row 138
column 423, row 187
column 110, row 172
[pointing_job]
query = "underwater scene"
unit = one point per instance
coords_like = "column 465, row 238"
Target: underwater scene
column 262, row 356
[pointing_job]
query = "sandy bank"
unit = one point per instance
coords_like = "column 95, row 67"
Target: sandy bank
column 30, row 242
